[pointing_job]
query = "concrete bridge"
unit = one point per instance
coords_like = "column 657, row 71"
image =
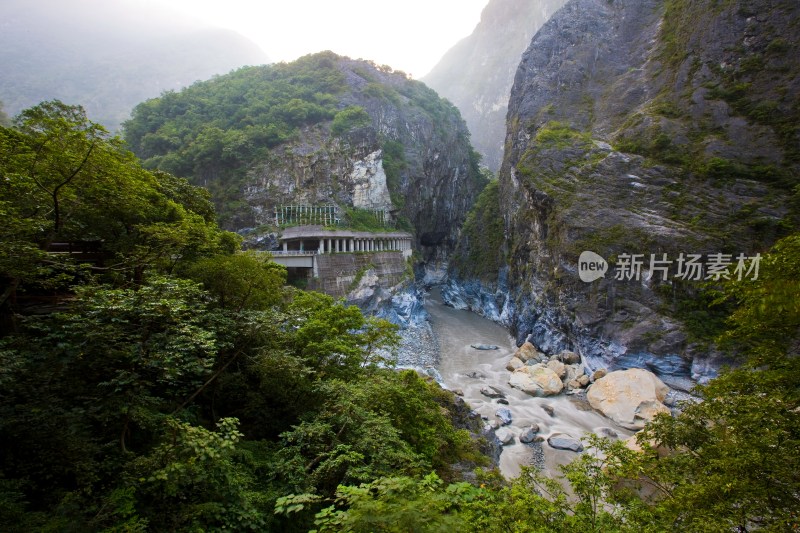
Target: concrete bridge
column 320, row 240
column 333, row 257
column 297, row 259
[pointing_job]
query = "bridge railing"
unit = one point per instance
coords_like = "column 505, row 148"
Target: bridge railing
column 294, row 252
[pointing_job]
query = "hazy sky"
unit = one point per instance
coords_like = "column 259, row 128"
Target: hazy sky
column 408, row 35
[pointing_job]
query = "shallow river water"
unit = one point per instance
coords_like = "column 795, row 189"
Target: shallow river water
column 459, row 362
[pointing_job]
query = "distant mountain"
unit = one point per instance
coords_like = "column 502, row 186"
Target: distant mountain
column 477, row 73
column 107, row 56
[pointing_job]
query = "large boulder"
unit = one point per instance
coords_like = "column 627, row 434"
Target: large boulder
column 558, row 367
column 574, row 372
column 528, row 352
column 631, row 398
column 505, row 436
column 492, row 392
column 569, row 358
column 562, row 441
column 504, row 415
column 528, row 434
column 536, row 380
column 514, row 364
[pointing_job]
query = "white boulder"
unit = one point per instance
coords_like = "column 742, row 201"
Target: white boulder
column 536, row 380
column 631, row 398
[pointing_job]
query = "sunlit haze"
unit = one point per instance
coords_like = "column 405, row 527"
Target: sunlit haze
column 411, row 35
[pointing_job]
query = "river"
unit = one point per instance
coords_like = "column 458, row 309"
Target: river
column 456, row 331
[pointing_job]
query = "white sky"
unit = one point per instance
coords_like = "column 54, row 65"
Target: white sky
column 408, row 35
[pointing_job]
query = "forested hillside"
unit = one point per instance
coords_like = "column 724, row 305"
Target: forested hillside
column 314, row 131
column 153, row 379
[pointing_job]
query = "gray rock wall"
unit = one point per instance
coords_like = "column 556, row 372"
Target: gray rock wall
column 349, row 275
column 635, row 130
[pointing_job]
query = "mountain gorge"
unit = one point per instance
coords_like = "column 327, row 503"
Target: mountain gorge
column 638, row 128
column 640, row 242
column 477, row 73
column 322, row 130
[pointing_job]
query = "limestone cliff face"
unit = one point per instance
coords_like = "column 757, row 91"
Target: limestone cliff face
column 477, row 73
column 434, row 178
column 642, row 127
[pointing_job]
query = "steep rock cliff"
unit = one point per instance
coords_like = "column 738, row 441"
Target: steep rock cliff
column 477, row 73
column 643, row 127
column 322, row 130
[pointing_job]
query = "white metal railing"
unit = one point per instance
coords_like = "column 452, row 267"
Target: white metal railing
column 294, row 252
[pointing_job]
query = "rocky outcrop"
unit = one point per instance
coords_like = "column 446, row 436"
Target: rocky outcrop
column 477, row 73
column 370, row 190
column 633, row 128
column 631, row 398
column 434, row 178
column 324, row 130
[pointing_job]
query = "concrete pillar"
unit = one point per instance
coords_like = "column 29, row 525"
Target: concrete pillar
column 321, row 247
column 336, row 245
column 329, row 248
column 285, row 246
column 352, row 245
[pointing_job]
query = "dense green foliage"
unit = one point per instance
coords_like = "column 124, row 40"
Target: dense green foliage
column 216, row 133
column 213, row 131
column 4, row 118
column 166, row 382
column 482, row 237
column 349, row 118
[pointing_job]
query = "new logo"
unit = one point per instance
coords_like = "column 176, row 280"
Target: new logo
column 591, row 266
